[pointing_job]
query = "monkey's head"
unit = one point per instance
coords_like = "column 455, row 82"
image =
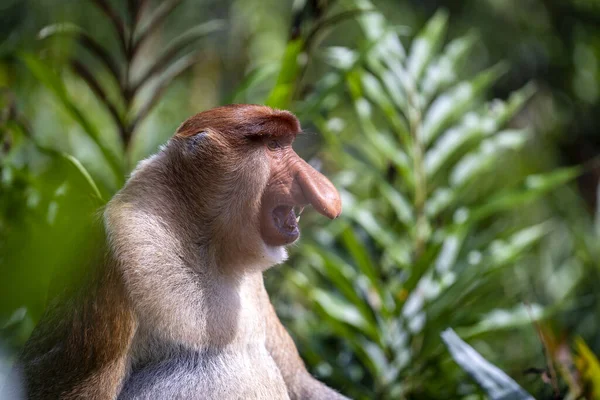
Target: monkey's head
column 239, row 177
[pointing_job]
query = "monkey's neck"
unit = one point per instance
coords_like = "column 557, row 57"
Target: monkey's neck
column 225, row 318
column 182, row 299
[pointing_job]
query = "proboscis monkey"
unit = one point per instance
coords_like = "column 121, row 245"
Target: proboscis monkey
column 178, row 309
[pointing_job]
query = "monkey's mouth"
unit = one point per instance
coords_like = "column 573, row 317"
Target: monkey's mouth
column 285, row 221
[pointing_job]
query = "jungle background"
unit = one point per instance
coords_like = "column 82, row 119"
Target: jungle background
column 461, row 134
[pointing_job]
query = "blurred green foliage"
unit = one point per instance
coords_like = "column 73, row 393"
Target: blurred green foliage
column 462, row 136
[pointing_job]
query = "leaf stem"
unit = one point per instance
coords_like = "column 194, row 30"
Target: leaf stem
column 415, row 124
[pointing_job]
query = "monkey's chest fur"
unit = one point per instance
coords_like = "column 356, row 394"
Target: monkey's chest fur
column 220, row 355
column 209, row 374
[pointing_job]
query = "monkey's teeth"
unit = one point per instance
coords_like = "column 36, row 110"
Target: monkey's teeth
column 297, row 219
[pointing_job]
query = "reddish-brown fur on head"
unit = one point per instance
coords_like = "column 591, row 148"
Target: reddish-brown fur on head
column 234, row 169
column 263, row 172
column 242, row 120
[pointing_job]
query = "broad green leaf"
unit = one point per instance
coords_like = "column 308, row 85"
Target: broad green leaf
column 332, row 311
column 372, row 148
column 494, row 381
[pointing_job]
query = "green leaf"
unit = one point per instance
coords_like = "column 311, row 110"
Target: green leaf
column 426, row 44
column 361, row 257
column 401, row 206
column 493, row 380
column 342, row 275
column 325, row 96
column 476, row 164
column 342, row 311
column 373, row 148
column 87, row 41
column 449, row 252
column 84, row 173
column 154, row 20
column 503, row 252
column 161, row 83
column 446, row 69
column 282, row 94
column 375, row 93
column 382, row 148
column 377, row 357
column 370, row 224
column 589, row 367
column 62, row 28
column 439, row 200
column 499, row 319
column 175, row 46
column 452, row 104
column 542, row 183
column 472, row 128
column 395, row 81
column 255, row 78
column 64, row 156
column 534, row 188
column 377, row 32
column 53, row 82
column 341, row 58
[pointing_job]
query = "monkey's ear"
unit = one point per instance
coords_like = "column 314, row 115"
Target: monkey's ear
column 196, row 139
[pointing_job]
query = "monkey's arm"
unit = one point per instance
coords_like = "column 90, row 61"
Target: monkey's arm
column 80, row 348
column 300, row 384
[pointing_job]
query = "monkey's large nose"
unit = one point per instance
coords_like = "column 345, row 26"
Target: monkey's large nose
column 319, row 191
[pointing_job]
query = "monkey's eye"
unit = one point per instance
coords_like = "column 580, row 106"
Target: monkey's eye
column 273, row 144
